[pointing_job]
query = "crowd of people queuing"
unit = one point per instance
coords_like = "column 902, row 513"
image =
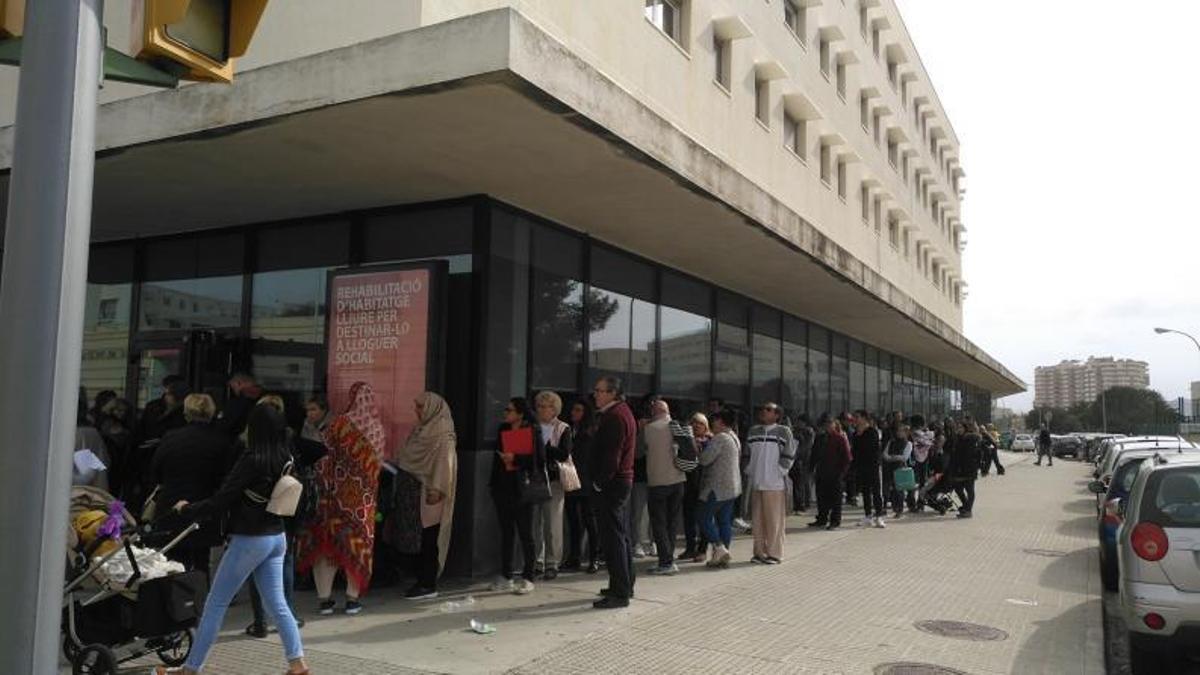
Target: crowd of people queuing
column 187, row 462
column 601, row 483
column 630, row 474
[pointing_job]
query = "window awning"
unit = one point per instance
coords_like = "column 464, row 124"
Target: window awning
column 731, row 27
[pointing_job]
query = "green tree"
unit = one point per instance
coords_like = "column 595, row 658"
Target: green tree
column 1061, row 421
column 1129, row 410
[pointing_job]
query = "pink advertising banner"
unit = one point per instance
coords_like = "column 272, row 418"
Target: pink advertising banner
column 379, row 333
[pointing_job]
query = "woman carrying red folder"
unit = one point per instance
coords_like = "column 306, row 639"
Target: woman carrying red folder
column 520, row 452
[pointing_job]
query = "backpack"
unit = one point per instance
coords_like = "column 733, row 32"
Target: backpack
column 686, row 457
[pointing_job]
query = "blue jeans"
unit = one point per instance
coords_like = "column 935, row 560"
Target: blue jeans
column 717, row 519
column 259, row 556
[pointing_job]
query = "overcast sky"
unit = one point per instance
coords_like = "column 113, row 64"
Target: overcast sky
column 1075, row 119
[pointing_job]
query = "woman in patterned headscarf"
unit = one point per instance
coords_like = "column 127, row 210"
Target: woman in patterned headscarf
column 342, row 533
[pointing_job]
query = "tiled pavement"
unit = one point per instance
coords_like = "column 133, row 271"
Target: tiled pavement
column 843, row 602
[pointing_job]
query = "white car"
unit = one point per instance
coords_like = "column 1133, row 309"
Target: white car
column 1023, row 443
column 1157, row 549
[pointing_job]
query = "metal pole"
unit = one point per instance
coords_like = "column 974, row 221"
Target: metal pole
column 41, row 310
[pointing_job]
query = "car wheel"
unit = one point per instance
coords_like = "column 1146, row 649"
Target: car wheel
column 1143, row 661
column 1109, row 573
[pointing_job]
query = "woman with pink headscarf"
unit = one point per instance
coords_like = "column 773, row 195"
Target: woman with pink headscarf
column 342, row 532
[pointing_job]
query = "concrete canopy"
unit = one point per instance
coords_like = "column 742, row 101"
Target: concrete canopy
column 518, row 117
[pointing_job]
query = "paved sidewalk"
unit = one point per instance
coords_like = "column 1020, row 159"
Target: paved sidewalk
column 842, row 602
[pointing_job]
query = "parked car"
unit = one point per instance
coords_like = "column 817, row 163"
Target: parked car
column 1113, row 445
column 1023, row 443
column 1062, row 446
column 1159, row 573
column 1112, row 505
column 1165, row 444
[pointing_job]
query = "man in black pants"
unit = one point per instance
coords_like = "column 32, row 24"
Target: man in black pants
column 1045, row 446
column 829, row 463
column 612, row 481
column 868, row 455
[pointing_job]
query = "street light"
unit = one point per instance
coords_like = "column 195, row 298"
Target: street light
column 1162, row 331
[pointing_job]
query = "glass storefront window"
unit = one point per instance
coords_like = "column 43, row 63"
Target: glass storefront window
column 885, row 383
column 839, row 380
column 818, row 373
column 871, row 373
column 686, row 349
column 184, row 304
column 621, row 339
column 289, row 306
column 106, row 314
column 556, row 310
column 795, row 367
column 858, row 376
column 507, row 317
column 768, row 356
column 733, row 350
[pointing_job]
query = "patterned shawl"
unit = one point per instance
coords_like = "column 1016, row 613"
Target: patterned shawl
column 343, row 529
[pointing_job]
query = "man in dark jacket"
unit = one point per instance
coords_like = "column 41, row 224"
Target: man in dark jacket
column 964, row 465
column 243, row 394
column 801, row 478
column 830, row 463
column 612, row 481
column 868, row 456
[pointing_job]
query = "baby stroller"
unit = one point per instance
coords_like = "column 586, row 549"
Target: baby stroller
column 126, row 602
column 937, row 493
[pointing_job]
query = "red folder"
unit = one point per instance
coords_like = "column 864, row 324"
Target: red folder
column 517, row 442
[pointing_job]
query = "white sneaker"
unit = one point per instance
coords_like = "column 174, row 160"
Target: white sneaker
column 523, row 586
column 639, row 552
column 741, row 524
column 502, row 585
column 879, row 522
column 867, row 521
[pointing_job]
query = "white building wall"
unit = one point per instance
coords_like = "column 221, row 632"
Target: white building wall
column 677, row 81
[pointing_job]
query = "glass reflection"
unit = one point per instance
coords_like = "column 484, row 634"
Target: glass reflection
column 621, row 338
column 733, row 362
column 215, row 302
column 795, row 379
column 768, row 369
column 106, row 313
column 289, row 306
column 557, row 331
column 686, row 353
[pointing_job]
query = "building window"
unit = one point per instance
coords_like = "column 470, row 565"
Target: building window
column 864, row 110
column 824, row 56
column 904, row 93
column 864, row 195
column 841, row 79
column 841, row 178
column 667, row 15
column 878, row 215
column 795, row 132
column 892, row 71
column 863, row 20
column 795, row 16
column 893, row 233
column 877, row 121
column 893, row 151
column 875, row 42
column 686, row 332
column 762, row 101
column 826, row 163
column 904, row 168
column 722, row 62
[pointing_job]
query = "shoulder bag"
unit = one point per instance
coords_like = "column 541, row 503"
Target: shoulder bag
column 534, row 485
column 285, row 495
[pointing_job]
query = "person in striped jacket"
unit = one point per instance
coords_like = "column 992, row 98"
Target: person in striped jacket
column 772, row 452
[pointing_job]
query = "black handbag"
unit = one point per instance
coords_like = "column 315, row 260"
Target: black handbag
column 534, row 485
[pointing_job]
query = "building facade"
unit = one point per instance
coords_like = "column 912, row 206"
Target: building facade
column 1071, row 382
column 752, row 201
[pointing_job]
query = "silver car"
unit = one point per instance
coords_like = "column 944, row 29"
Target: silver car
column 1158, row 548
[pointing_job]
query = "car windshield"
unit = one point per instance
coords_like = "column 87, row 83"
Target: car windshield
column 1173, row 497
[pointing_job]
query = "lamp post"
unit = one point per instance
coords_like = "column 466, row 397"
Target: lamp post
column 1162, row 331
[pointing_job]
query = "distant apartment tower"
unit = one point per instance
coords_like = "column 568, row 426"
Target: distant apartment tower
column 1195, row 401
column 1072, row 382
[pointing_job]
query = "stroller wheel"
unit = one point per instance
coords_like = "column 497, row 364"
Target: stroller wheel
column 94, row 660
column 176, row 648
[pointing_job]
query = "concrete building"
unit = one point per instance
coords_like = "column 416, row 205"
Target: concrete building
column 747, row 200
column 1194, row 411
column 1072, row 382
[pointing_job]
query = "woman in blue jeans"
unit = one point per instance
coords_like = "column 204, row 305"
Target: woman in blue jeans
column 256, row 546
column 721, row 483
